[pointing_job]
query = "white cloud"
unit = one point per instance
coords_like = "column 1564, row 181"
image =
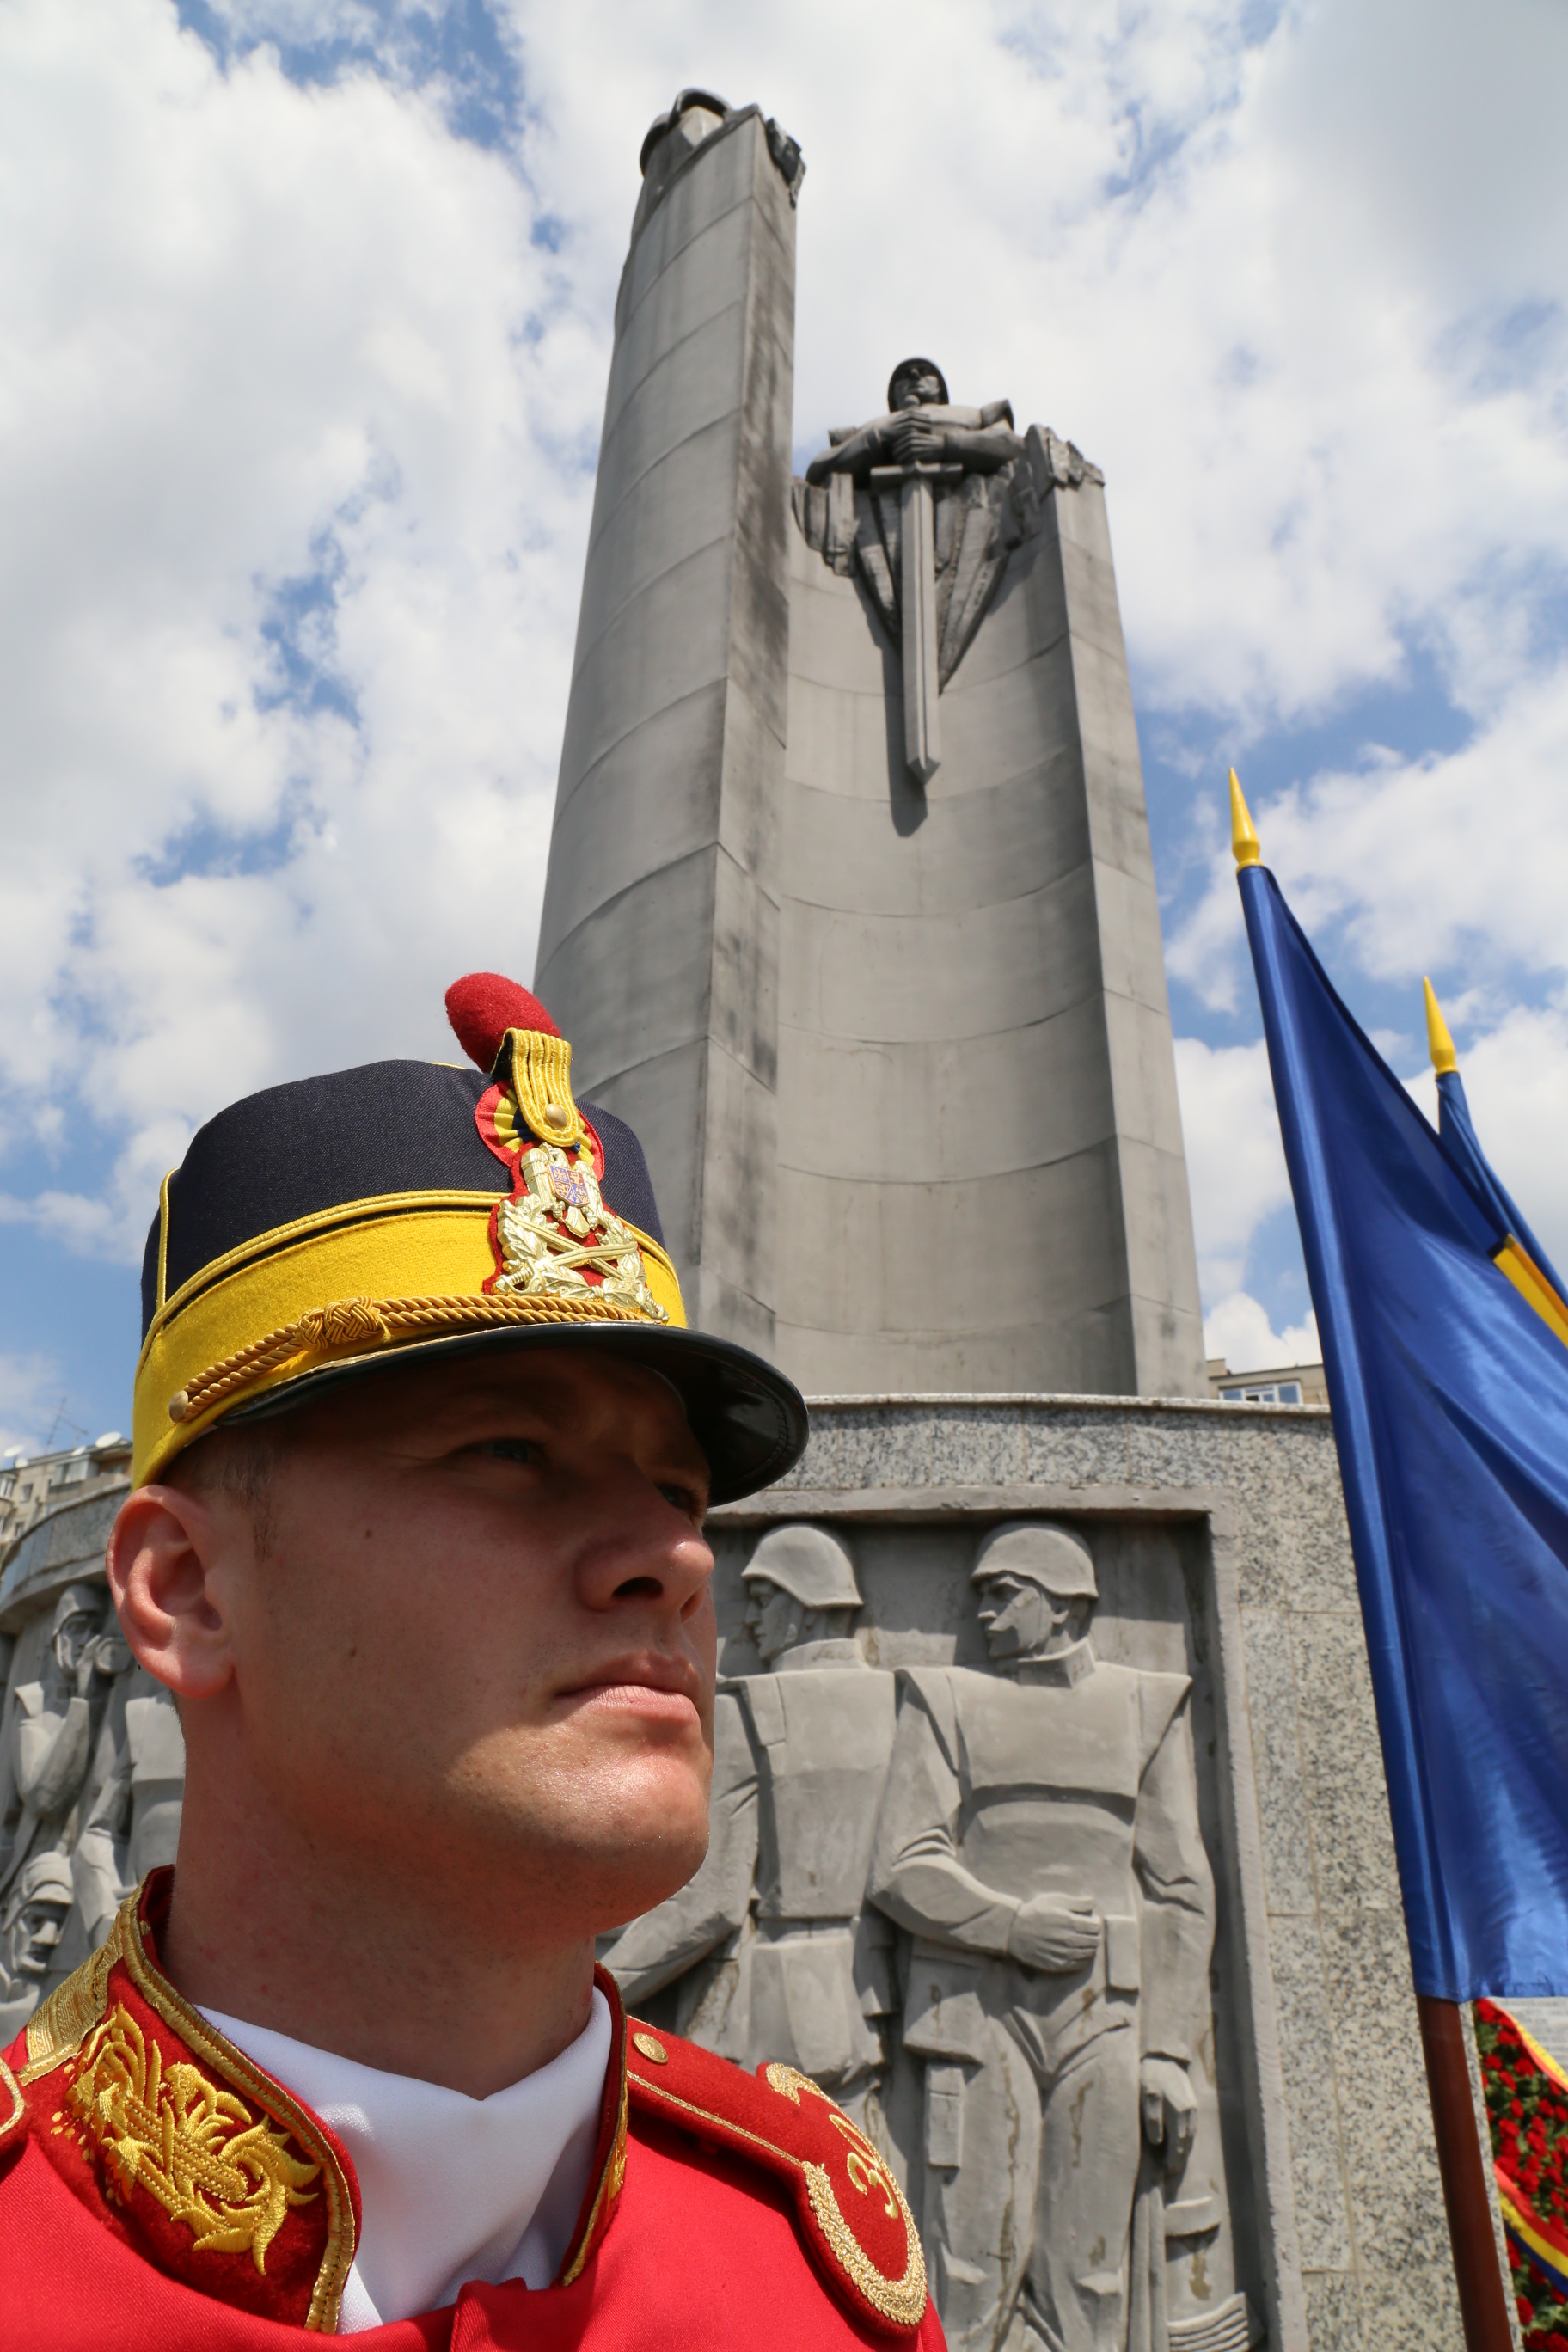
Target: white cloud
column 262, row 336
column 1240, row 1330
column 1235, row 1162
column 1452, row 859
column 29, row 1401
column 1300, row 284
column 1142, row 225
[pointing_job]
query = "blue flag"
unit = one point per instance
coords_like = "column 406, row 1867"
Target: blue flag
column 1457, row 1133
column 1449, row 1392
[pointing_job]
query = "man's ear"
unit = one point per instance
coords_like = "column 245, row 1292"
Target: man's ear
column 163, row 1550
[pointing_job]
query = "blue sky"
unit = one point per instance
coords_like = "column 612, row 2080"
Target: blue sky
column 307, row 311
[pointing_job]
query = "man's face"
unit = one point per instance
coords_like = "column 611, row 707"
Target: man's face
column 481, row 1638
column 1021, row 1618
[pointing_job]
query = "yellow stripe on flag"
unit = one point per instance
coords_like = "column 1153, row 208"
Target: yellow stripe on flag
column 1532, row 1287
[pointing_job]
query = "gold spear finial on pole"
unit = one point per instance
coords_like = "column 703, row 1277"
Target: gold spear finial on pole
column 1244, row 841
column 1439, row 1045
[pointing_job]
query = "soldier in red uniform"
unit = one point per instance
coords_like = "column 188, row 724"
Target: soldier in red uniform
column 423, row 1453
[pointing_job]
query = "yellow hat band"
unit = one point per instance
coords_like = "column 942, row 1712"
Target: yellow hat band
column 353, row 1281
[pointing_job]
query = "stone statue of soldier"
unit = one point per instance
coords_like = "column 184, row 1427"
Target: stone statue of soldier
column 33, row 1914
column 800, row 1969
column 1040, row 1839
column 921, row 427
column 56, row 1723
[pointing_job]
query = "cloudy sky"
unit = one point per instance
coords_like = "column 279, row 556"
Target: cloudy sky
column 305, row 313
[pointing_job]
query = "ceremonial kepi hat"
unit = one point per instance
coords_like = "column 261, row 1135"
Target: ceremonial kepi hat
column 407, row 1211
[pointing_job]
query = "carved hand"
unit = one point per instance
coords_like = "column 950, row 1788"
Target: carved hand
column 1170, row 2108
column 912, row 437
column 1053, row 1933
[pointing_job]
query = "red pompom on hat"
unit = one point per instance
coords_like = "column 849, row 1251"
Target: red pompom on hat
column 483, row 1005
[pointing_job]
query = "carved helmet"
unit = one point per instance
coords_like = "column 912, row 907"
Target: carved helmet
column 812, row 1567
column 908, row 367
column 1055, row 1559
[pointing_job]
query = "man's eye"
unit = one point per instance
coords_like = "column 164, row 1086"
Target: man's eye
column 510, row 1449
column 681, row 1499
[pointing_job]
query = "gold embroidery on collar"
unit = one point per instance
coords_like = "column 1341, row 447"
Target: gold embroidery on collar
column 211, row 2164
column 206, row 2042
column 58, row 2026
column 18, row 2106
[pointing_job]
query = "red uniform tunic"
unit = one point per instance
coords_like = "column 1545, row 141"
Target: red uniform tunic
column 160, row 2193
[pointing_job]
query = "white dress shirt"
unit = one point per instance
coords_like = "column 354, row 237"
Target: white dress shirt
column 451, row 2188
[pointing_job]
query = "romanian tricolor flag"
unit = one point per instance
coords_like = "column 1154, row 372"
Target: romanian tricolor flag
column 1445, row 1349
column 1527, row 2103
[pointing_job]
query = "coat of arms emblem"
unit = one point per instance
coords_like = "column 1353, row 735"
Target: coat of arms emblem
column 554, row 1236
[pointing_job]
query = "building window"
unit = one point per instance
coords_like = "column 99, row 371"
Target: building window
column 1275, row 1392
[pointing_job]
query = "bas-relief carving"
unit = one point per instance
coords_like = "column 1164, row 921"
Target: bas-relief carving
column 91, row 1781
column 776, row 1943
column 973, row 1900
column 926, row 503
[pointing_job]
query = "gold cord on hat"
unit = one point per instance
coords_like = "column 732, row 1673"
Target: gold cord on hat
column 352, row 1325
column 542, row 1082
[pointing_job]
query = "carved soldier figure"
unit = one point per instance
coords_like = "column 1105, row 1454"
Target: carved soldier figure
column 57, row 1719
column 132, row 1818
column 1039, row 1839
column 31, row 1918
column 801, row 1756
column 923, row 426
column 929, row 497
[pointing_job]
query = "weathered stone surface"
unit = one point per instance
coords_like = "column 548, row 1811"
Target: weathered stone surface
column 659, row 943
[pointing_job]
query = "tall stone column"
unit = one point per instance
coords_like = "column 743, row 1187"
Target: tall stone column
column 982, row 1182
column 658, row 946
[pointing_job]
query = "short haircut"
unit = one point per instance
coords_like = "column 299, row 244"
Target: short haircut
column 241, row 1463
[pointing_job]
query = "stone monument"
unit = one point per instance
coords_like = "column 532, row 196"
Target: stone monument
column 1048, row 1828
column 850, row 906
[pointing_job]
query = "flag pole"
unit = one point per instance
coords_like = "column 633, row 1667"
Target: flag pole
column 1479, row 2275
column 1483, row 2295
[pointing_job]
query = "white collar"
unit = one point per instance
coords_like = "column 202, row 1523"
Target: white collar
column 451, row 2188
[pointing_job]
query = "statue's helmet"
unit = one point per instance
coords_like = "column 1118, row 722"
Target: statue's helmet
column 46, row 1879
column 84, row 1601
column 1055, row 1559
column 916, row 366
column 812, row 1567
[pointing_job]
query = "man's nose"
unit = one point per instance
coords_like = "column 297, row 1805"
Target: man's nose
column 647, row 1549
